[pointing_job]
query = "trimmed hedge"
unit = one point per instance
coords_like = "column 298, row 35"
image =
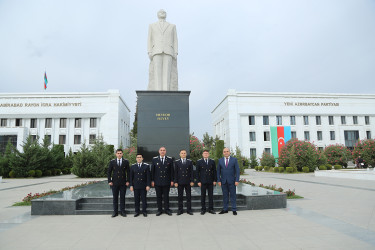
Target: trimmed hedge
column 337, row 167
column 276, row 169
column 31, row 173
column 12, row 174
column 306, row 169
column 328, row 166
column 38, row 173
column 322, row 167
column 289, row 169
column 266, row 168
column 281, row 170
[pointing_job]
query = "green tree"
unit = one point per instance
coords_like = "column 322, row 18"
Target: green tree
column 365, row 149
column 253, row 161
column 5, row 159
column 293, row 159
column 267, row 159
column 338, row 155
column 196, row 148
column 240, row 159
column 68, row 162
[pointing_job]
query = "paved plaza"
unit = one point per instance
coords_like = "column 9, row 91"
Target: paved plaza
column 335, row 214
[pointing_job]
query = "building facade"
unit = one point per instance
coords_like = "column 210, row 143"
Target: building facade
column 69, row 119
column 244, row 119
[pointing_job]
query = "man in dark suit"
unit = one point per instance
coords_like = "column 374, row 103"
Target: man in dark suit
column 228, row 177
column 184, row 180
column 206, row 177
column 140, row 181
column 118, row 179
column 162, row 179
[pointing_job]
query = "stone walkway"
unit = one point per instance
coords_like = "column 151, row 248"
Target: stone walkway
column 335, row 214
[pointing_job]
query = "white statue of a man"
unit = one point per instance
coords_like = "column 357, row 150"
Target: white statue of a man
column 162, row 50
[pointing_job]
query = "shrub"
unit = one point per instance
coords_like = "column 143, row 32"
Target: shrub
column 289, row 169
column 305, row 153
column 328, row 166
column 338, row 155
column 266, row 168
column 12, row 174
column 58, row 171
column 337, row 167
column 5, row 159
column 31, row 173
column 47, row 173
column 322, row 167
column 276, row 169
column 267, row 160
column 196, row 148
column 306, row 169
column 365, row 149
column 53, row 171
column 38, row 173
column 281, row 169
column 271, row 169
column 253, row 161
column 65, row 171
column 259, row 168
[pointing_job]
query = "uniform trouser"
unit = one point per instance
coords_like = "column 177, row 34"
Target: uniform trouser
column 229, row 189
column 116, row 189
column 162, row 70
column 162, row 193
column 210, row 188
column 181, row 189
column 140, row 194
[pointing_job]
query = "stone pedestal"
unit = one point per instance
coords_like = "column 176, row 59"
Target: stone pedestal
column 163, row 120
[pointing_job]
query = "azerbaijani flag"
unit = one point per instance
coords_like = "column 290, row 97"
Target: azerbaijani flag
column 279, row 136
column 45, row 80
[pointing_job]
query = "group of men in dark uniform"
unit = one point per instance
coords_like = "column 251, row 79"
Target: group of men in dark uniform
column 164, row 174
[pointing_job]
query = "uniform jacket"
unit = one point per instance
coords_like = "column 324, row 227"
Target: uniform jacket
column 162, row 39
column 162, row 174
column 140, row 177
column 230, row 174
column 206, row 173
column 118, row 175
column 183, row 173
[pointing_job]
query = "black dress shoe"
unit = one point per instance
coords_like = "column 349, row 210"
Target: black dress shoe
column 203, row 212
column 123, row 214
column 159, row 213
column 136, row 215
column 144, row 214
column 211, row 212
column 179, row 212
column 223, row 212
column 114, row 214
column 234, row 212
column 168, row 212
column 190, row 212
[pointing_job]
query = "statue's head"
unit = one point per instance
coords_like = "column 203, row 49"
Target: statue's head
column 162, row 14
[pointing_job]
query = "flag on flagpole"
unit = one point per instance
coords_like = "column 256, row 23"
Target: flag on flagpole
column 45, row 80
column 280, row 135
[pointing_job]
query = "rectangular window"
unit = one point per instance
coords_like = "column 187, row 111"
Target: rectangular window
column 292, row 120
column 319, row 135
column 320, row 149
column 62, row 139
column 92, row 139
column 367, row 120
column 266, row 120
column 267, row 150
column 294, row 134
column 48, row 138
column 252, row 136
column 48, row 123
column 307, row 135
column 77, row 139
column 355, row 119
column 251, row 120
column 77, row 123
column 279, row 120
column 4, row 122
column 18, row 122
column 330, row 120
column 253, row 151
column 305, row 120
column 92, row 122
column 332, row 135
column 62, row 122
column 33, row 123
column 266, row 135
column 318, row 120
column 343, row 120
column 368, row 134
column 33, row 138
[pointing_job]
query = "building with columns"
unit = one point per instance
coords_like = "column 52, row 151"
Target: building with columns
column 70, row 119
column 244, row 119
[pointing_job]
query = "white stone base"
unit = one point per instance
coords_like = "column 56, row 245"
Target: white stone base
column 360, row 174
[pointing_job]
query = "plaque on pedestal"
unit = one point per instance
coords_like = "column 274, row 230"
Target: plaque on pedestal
column 163, row 120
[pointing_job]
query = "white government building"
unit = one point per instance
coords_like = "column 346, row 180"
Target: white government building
column 244, row 119
column 70, row 119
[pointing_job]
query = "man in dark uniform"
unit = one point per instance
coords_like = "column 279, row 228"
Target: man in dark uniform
column 184, row 180
column 118, row 179
column 162, row 179
column 206, row 177
column 140, row 181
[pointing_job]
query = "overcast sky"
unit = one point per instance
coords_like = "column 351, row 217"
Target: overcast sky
column 323, row 46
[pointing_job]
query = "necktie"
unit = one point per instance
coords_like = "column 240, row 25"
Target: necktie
column 226, row 163
column 206, row 162
column 119, row 163
column 162, row 160
column 139, row 165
